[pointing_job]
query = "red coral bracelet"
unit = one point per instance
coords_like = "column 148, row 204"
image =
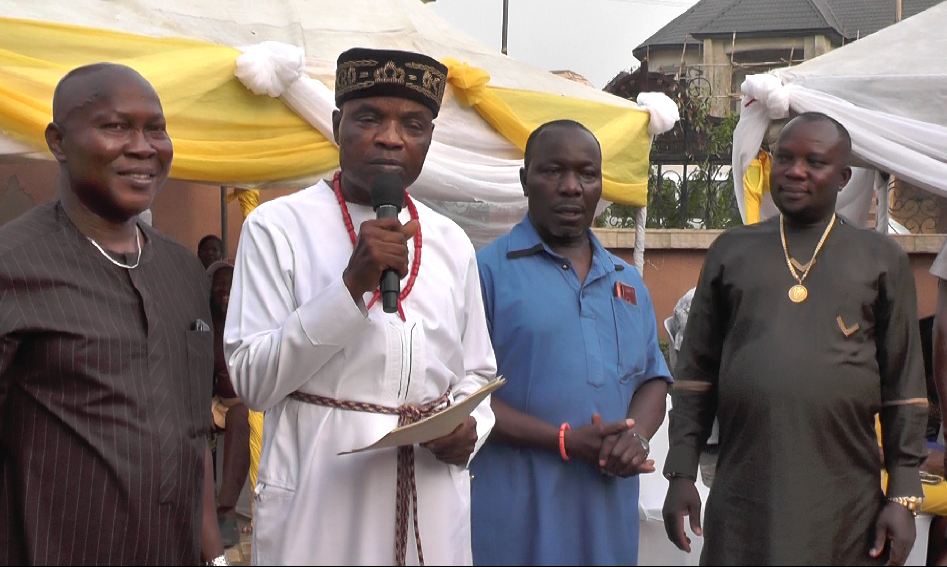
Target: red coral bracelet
column 562, row 441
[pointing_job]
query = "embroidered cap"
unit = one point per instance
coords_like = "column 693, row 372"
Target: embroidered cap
column 362, row 72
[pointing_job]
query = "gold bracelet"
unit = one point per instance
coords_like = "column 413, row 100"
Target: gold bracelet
column 912, row 503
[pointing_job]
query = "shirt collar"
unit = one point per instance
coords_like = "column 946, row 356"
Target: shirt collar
column 525, row 241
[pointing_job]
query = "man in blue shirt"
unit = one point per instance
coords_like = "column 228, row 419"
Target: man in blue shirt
column 574, row 332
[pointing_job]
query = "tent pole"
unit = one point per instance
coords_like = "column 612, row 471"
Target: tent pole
column 882, row 211
column 506, row 22
column 223, row 220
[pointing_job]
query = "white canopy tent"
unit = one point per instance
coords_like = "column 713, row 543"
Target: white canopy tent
column 471, row 173
column 888, row 89
column 290, row 48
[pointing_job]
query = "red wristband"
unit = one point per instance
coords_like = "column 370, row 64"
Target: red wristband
column 562, row 441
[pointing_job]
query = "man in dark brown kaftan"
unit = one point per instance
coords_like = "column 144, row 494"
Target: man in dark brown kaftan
column 795, row 379
column 106, row 353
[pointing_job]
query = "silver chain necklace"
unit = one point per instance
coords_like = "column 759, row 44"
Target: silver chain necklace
column 113, row 260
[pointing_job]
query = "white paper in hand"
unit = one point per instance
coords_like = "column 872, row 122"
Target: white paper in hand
column 434, row 426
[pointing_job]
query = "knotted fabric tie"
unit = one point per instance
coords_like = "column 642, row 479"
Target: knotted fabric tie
column 407, row 489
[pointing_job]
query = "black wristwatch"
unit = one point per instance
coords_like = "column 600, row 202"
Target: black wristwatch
column 673, row 475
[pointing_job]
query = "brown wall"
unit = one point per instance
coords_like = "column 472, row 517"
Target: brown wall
column 668, row 275
column 926, row 283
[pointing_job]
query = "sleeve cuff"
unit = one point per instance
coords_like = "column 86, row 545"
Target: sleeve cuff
column 681, row 461
column 904, row 481
column 332, row 317
column 483, row 413
column 663, row 377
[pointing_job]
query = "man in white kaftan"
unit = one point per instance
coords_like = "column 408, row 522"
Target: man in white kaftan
column 296, row 325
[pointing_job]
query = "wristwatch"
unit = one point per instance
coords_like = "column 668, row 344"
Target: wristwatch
column 912, row 503
column 219, row 560
column 673, row 475
column 644, row 443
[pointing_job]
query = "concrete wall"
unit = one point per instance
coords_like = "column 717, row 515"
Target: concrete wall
column 713, row 56
column 668, row 59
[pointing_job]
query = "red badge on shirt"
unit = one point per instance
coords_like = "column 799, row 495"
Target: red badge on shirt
column 626, row 292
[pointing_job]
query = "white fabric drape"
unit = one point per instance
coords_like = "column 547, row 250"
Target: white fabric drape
column 471, row 173
column 464, row 152
column 889, row 90
column 915, row 151
column 854, row 201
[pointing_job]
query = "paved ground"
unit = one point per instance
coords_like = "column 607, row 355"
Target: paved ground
column 240, row 553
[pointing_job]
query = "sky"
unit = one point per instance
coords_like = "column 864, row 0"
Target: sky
column 594, row 38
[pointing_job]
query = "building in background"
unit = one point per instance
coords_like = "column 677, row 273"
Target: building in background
column 723, row 41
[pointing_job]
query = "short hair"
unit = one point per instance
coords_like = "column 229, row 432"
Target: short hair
column 63, row 87
column 821, row 117
column 562, row 123
column 208, row 238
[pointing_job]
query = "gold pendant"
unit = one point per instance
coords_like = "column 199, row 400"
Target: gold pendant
column 798, row 293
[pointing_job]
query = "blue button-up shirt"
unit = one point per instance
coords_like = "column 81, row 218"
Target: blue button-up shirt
column 568, row 350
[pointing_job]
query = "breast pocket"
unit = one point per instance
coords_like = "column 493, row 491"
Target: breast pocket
column 850, row 329
column 631, row 340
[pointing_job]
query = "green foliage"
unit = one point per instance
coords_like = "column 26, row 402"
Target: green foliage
column 698, row 194
column 665, row 350
column 707, row 202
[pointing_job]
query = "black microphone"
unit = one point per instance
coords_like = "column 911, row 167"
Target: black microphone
column 387, row 195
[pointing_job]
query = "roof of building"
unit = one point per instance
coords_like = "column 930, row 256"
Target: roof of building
column 844, row 19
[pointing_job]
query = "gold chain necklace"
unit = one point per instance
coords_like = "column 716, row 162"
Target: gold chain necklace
column 798, row 293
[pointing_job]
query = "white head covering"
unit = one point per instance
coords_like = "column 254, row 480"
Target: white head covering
column 212, row 269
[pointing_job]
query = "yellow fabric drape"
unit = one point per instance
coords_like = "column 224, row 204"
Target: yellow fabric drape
column 755, row 185
column 256, row 444
column 249, row 199
column 622, row 131
column 222, row 132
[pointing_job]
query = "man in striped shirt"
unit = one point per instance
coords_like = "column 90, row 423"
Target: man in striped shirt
column 105, row 347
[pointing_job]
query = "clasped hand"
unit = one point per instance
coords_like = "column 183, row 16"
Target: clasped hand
column 614, row 447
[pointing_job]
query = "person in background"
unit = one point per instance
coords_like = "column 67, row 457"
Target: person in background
column 210, row 249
